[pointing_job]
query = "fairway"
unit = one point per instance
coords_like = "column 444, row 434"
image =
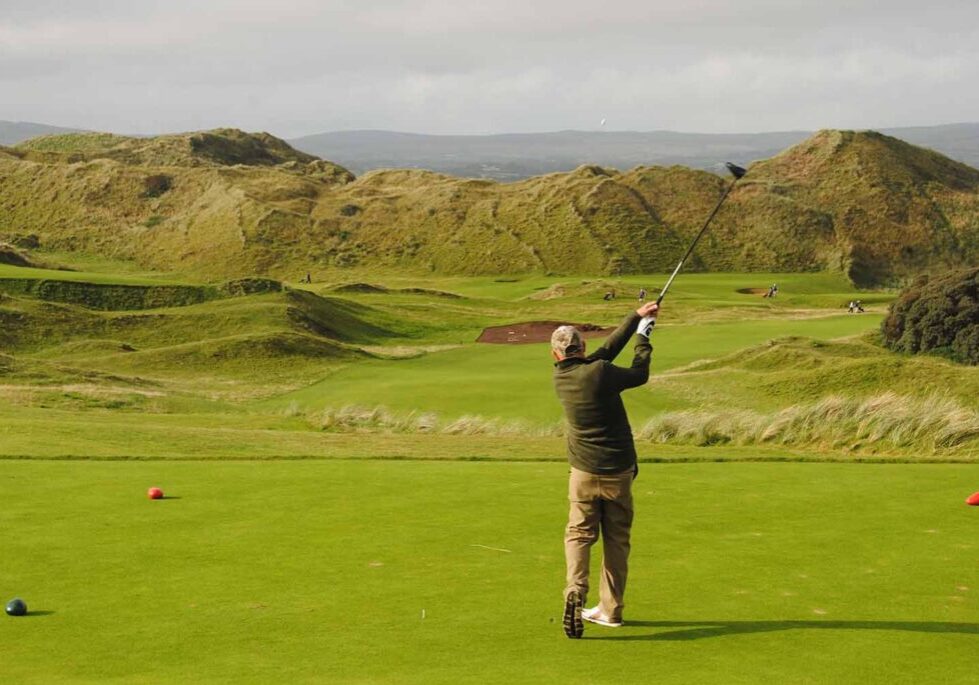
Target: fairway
column 427, row 572
column 513, row 381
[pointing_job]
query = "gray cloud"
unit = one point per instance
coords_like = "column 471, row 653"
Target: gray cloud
column 435, row 66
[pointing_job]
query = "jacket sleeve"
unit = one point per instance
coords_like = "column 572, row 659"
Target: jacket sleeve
column 618, row 378
column 618, row 340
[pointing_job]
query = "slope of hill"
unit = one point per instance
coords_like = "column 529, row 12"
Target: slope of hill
column 87, row 351
column 896, row 209
column 509, row 157
column 591, row 220
column 231, row 204
column 221, row 200
column 220, row 147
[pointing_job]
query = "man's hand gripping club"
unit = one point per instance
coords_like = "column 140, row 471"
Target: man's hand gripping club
column 648, row 312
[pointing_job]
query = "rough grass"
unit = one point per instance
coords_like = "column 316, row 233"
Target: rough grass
column 883, row 423
column 353, row 418
column 886, row 423
column 791, row 371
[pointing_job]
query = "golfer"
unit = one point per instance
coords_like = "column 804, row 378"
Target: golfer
column 603, row 462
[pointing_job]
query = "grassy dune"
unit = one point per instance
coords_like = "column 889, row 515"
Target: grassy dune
column 229, row 204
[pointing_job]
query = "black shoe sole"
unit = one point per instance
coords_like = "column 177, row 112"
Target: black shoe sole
column 574, row 627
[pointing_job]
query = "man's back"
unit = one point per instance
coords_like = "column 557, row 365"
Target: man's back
column 599, row 434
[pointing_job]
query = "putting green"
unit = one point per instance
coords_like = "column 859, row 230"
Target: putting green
column 321, row 571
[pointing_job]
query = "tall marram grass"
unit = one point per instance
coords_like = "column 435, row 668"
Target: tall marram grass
column 882, row 422
column 353, row 418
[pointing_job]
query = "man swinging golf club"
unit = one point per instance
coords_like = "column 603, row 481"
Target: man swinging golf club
column 603, row 461
column 601, row 450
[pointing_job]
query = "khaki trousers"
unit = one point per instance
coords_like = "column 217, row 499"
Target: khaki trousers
column 599, row 504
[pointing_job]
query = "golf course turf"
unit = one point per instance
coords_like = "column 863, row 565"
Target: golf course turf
column 354, row 572
column 387, row 504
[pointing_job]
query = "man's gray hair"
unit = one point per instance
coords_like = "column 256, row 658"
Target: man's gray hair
column 566, row 341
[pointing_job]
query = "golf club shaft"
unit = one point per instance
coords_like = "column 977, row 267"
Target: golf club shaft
column 703, row 230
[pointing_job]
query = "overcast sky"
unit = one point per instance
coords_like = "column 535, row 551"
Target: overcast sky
column 294, row 67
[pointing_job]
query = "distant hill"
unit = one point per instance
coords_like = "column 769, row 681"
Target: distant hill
column 228, row 203
column 515, row 156
column 14, row 132
column 509, row 157
column 219, row 147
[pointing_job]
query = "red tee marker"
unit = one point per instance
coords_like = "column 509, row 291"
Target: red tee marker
column 154, row 493
column 973, row 500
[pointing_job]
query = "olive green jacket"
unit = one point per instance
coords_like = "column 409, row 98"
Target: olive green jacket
column 599, row 434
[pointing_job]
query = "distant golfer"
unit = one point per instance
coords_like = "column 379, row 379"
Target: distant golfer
column 642, row 295
column 603, row 462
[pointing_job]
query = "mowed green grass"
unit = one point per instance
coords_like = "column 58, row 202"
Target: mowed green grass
column 705, row 317
column 514, row 381
column 321, row 572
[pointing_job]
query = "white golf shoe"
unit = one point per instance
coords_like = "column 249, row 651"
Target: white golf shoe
column 595, row 615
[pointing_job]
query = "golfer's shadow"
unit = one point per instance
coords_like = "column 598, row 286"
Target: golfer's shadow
column 698, row 630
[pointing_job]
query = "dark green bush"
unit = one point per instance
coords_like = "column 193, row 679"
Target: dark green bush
column 937, row 314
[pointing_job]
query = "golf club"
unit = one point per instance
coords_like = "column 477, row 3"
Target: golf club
column 737, row 172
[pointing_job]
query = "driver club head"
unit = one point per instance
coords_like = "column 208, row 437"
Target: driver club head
column 735, row 170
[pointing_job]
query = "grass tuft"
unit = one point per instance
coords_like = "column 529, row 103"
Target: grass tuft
column 354, row 418
column 881, row 422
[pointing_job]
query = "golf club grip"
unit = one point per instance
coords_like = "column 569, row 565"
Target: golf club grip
column 696, row 240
